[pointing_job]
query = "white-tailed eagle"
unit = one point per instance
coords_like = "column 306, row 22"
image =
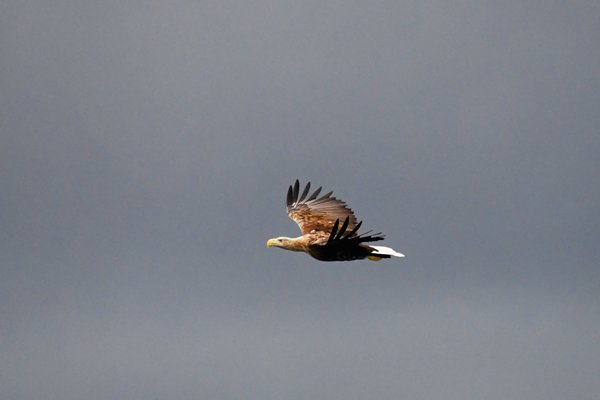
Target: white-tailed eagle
column 329, row 229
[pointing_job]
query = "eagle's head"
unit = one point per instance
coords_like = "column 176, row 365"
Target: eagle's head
column 284, row 243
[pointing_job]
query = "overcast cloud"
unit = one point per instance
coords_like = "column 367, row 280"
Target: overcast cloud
column 145, row 153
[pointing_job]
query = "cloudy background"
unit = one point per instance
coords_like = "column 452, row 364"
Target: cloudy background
column 145, row 152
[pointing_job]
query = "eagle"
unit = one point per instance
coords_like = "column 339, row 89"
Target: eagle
column 329, row 229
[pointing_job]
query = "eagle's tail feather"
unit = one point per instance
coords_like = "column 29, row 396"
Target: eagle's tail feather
column 388, row 251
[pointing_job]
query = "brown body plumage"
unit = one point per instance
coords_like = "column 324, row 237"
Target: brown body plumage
column 329, row 229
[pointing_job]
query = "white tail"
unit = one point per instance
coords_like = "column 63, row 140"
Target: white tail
column 387, row 251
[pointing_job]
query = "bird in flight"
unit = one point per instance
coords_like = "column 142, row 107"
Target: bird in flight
column 329, row 229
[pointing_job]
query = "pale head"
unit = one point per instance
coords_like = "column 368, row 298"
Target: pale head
column 284, row 242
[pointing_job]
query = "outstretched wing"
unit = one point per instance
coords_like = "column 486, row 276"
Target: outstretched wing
column 346, row 245
column 317, row 214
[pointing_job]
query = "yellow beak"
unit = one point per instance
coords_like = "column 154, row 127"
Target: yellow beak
column 271, row 242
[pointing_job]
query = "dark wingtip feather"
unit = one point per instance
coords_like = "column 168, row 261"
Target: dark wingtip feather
column 323, row 198
column 315, row 194
column 296, row 190
column 353, row 231
column 343, row 228
column 304, row 193
column 333, row 230
column 289, row 200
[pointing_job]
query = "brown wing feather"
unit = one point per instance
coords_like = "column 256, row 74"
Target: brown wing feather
column 317, row 214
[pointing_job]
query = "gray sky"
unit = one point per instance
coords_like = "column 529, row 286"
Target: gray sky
column 145, row 154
